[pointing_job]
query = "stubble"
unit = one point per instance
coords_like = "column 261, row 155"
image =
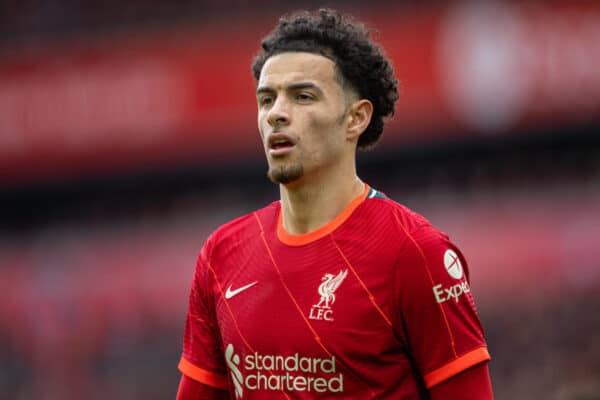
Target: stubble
column 286, row 173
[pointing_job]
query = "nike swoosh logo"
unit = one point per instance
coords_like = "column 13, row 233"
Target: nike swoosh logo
column 230, row 293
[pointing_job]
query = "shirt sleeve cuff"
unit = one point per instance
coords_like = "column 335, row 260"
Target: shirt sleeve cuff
column 456, row 366
column 201, row 375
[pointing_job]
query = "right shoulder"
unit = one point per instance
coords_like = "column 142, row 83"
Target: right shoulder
column 234, row 233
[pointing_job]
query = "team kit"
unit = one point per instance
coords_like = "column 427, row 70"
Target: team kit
column 376, row 304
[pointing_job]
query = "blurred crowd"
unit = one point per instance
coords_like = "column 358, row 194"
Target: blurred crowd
column 34, row 20
column 95, row 268
column 93, row 306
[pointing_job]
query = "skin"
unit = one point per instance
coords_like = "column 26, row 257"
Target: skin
column 300, row 95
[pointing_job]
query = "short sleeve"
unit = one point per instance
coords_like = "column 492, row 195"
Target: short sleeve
column 438, row 318
column 202, row 358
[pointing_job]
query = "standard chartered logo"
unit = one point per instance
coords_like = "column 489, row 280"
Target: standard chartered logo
column 233, row 362
column 283, row 373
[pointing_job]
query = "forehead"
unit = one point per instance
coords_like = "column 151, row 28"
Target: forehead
column 287, row 68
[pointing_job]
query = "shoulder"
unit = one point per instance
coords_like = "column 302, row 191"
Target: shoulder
column 239, row 230
column 380, row 208
column 402, row 230
column 419, row 242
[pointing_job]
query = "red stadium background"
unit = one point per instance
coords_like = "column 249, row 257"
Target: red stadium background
column 128, row 133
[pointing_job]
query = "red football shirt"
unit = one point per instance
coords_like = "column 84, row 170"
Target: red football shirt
column 376, row 304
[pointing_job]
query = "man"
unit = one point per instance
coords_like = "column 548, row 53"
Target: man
column 335, row 291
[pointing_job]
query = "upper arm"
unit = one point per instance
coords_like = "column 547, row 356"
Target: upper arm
column 471, row 384
column 190, row 389
column 438, row 319
column 202, row 358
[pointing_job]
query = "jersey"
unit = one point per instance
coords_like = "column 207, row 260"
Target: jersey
column 376, row 304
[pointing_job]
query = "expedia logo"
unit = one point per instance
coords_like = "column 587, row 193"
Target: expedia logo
column 452, row 264
column 455, row 270
column 283, row 373
column 453, row 292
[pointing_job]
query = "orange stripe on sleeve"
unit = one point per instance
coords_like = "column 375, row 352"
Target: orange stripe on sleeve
column 201, row 375
column 456, row 366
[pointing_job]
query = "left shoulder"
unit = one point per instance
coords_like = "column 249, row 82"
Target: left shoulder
column 378, row 206
column 415, row 238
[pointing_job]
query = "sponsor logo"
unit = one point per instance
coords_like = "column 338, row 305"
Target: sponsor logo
column 258, row 371
column 230, row 293
column 455, row 270
column 453, row 292
column 452, row 263
column 330, row 283
column 233, row 362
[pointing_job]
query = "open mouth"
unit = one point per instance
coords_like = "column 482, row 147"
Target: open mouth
column 281, row 143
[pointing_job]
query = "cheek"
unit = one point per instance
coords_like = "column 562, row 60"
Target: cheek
column 259, row 123
column 326, row 131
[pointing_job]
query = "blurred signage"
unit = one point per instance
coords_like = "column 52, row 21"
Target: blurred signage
column 470, row 68
column 503, row 63
column 84, row 108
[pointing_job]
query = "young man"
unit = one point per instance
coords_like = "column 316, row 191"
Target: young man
column 335, row 291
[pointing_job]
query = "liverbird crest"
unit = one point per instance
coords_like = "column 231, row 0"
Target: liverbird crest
column 328, row 287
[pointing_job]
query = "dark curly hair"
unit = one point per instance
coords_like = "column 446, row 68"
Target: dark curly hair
column 360, row 62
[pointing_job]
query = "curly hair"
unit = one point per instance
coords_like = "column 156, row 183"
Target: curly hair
column 361, row 63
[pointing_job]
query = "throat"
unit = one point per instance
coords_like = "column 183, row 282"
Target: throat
column 307, row 211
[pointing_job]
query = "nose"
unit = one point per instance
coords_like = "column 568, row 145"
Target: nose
column 279, row 114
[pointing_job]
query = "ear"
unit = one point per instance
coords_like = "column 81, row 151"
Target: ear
column 359, row 117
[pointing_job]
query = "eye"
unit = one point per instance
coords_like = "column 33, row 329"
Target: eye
column 265, row 100
column 305, row 97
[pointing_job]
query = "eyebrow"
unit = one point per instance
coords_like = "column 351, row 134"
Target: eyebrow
column 292, row 87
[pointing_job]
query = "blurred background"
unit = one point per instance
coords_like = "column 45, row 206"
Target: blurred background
column 128, row 133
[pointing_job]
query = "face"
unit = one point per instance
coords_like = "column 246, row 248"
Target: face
column 301, row 116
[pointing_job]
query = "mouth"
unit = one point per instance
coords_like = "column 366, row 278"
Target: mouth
column 280, row 144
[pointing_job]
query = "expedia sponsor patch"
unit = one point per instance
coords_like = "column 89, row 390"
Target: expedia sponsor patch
column 455, row 270
column 453, row 292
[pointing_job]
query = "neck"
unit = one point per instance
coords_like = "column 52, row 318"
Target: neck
column 307, row 206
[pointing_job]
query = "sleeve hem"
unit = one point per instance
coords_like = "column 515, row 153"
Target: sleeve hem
column 201, row 375
column 456, row 366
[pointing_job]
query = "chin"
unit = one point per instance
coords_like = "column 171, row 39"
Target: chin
column 285, row 174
